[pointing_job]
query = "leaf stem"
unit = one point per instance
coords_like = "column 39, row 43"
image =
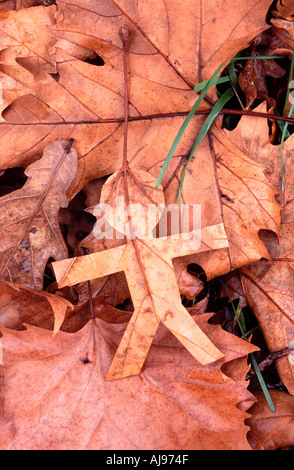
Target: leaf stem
column 124, row 35
column 146, row 117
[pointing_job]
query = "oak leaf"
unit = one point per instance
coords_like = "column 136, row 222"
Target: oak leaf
column 268, row 284
column 29, row 228
column 272, row 431
column 19, row 305
column 160, row 64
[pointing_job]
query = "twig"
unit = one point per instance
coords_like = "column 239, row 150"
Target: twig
column 270, row 359
column 239, row 112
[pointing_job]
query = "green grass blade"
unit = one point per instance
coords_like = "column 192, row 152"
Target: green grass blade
column 251, row 355
column 202, row 85
column 225, row 97
column 208, row 83
column 284, row 127
column 232, row 75
column 262, row 382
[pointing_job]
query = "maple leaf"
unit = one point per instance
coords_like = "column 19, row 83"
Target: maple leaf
column 66, row 404
column 29, row 228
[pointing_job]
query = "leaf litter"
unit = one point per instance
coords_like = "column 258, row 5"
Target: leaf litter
column 86, row 347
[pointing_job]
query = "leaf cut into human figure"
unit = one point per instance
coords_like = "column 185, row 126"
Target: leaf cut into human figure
column 146, row 262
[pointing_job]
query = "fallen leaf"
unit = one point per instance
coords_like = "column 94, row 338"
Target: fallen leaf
column 242, row 197
column 161, row 64
column 19, row 305
column 189, row 286
column 251, row 137
column 151, row 279
column 268, row 430
column 284, row 29
column 252, row 79
column 144, row 267
column 268, row 285
column 70, row 86
column 30, row 233
column 285, row 9
column 66, row 404
column 25, row 33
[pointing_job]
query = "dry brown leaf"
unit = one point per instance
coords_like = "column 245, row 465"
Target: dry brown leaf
column 285, row 9
column 268, row 285
column 161, row 64
column 241, row 197
column 268, row 430
column 252, row 79
column 189, row 286
column 20, row 305
column 18, row 4
column 251, row 137
column 284, row 29
column 148, row 267
column 29, row 228
column 66, row 404
column 52, row 90
column 24, row 33
column 158, row 66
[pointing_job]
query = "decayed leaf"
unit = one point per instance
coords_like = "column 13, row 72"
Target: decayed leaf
column 20, row 305
column 24, row 34
column 285, row 8
column 161, row 64
column 268, row 285
column 272, row 431
column 147, row 264
column 252, row 79
column 29, row 228
column 66, row 404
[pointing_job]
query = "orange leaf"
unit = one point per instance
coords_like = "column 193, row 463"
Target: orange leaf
column 29, row 228
column 268, row 430
column 65, row 403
